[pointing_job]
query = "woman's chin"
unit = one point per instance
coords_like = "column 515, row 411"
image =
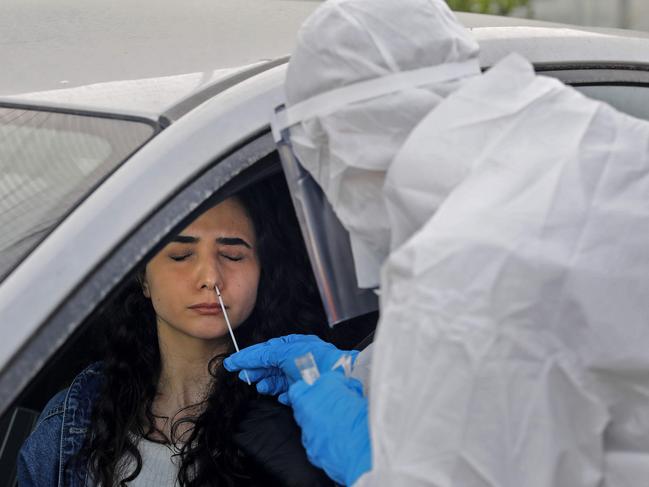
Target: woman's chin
column 210, row 332
column 206, row 328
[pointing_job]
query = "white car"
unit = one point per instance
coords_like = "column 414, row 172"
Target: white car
column 94, row 177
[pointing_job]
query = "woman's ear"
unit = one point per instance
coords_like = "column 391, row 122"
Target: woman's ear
column 141, row 279
column 145, row 289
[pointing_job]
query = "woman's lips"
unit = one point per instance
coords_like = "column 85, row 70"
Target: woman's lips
column 207, row 308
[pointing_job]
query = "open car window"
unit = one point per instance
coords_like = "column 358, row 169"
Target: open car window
column 81, row 318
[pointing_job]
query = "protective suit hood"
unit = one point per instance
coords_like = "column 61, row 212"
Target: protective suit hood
column 348, row 149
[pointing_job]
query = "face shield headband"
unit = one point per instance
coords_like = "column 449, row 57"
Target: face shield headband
column 330, row 102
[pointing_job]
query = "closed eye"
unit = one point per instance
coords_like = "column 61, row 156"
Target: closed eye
column 233, row 258
column 179, row 258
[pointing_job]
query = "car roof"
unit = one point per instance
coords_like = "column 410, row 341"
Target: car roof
column 475, row 20
column 146, row 57
column 551, row 43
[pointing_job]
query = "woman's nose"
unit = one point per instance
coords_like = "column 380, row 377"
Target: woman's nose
column 210, row 275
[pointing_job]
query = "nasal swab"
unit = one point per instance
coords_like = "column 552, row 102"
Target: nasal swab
column 227, row 320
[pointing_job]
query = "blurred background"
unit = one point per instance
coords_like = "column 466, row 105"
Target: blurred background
column 624, row 14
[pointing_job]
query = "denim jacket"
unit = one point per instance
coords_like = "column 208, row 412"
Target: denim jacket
column 59, row 434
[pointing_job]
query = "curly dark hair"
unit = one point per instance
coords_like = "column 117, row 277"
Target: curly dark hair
column 287, row 302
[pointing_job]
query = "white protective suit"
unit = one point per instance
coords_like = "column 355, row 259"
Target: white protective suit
column 513, row 344
column 513, row 338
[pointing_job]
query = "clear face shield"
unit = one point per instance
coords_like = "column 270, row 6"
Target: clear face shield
column 327, row 242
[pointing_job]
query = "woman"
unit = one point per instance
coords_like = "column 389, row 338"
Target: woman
column 160, row 408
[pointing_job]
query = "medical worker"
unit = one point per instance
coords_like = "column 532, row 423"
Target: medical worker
column 514, row 272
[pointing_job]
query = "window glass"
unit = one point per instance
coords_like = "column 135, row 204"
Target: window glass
column 633, row 100
column 48, row 163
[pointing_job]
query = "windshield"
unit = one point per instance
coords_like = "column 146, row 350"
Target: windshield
column 48, row 163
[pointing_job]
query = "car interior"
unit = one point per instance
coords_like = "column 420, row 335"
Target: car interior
column 86, row 344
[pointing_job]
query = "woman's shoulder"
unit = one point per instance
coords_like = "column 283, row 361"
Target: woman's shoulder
column 85, row 388
column 82, row 389
column 39, row 455
column 85, row 384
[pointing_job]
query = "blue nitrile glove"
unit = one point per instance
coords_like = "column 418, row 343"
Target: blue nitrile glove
column 272, row 366
column 333, row 416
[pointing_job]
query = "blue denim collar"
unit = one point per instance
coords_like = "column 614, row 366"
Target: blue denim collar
column 77, row 411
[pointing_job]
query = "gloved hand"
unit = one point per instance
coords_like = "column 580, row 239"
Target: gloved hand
column 333, row 416
column 272, row 364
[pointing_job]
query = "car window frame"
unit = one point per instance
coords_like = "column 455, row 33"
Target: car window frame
column 605, row 73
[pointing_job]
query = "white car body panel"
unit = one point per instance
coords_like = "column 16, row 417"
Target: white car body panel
column 552, row 45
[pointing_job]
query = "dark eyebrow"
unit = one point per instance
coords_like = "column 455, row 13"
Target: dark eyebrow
column 233, row 241
column 184, row 239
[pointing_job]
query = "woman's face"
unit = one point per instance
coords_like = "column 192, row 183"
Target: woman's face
column 218, row 248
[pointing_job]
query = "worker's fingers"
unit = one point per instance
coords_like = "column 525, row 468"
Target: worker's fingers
column 297, row 390
column 255, row 375
column 272, row 353
column 252, row 357
column 273, row 385
column 283, row 398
